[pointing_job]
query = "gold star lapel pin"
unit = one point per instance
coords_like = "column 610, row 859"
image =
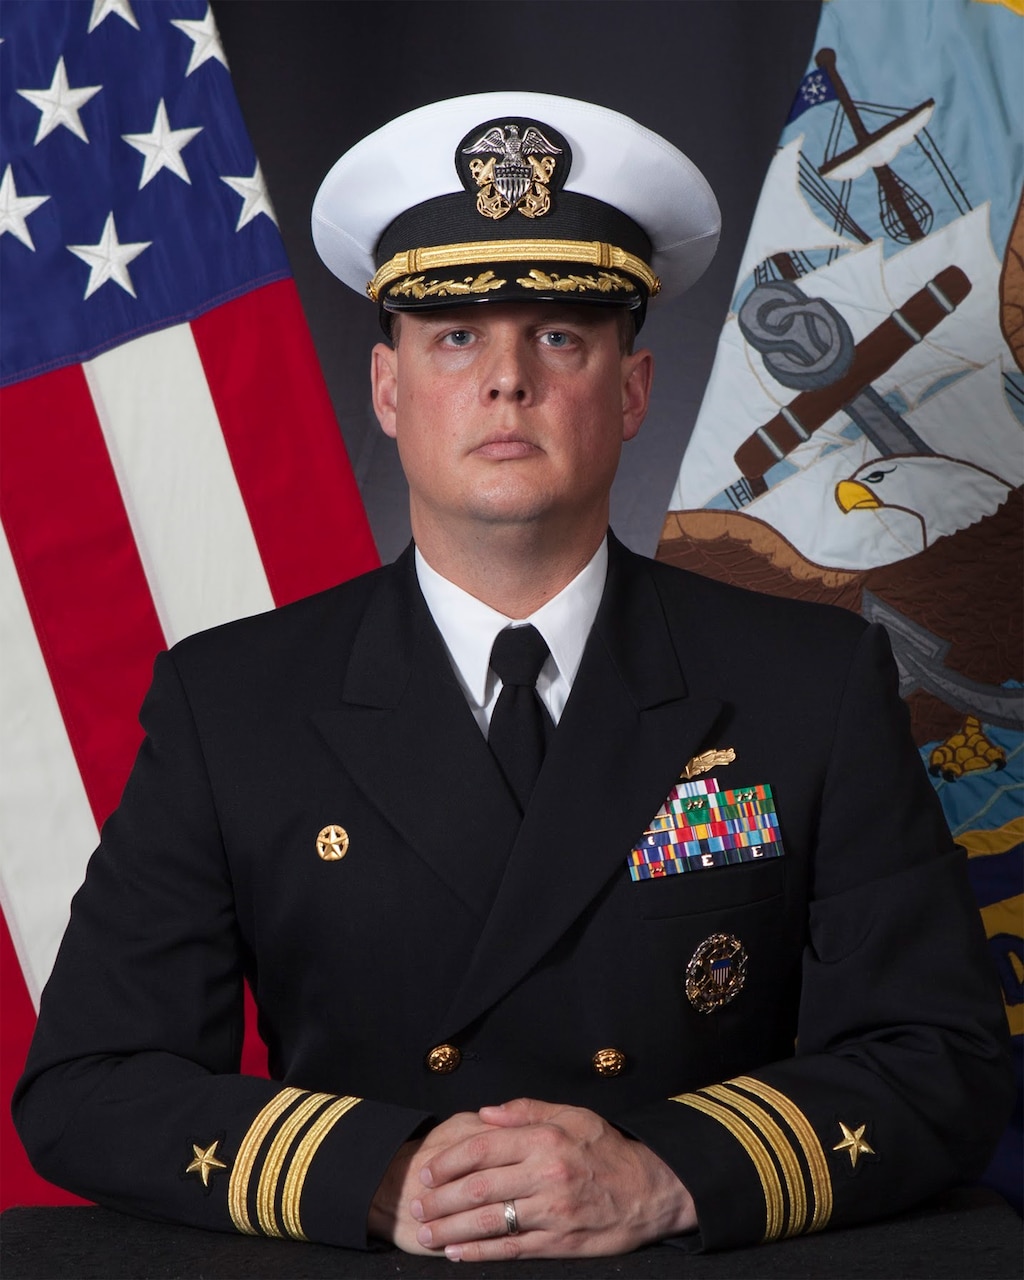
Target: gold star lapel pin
column 853, row 1142
column 205, row 1161
column 332, row 843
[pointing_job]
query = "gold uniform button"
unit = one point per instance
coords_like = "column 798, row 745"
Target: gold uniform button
column 608, row 1062
column 443, row 1059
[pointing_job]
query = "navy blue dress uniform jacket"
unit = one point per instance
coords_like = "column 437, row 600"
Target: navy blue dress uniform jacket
column 860, row 1067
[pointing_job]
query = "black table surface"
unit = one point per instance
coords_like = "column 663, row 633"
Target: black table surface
column 966, row 1233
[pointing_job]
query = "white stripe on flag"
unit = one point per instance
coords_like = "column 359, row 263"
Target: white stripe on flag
column 177, row 482
column 47, row 830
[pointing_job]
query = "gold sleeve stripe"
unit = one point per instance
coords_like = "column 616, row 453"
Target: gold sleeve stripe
column 593, row 253
column 817, row 1165
column 238, row 1186
column 780, row 1144
column 273, row 1162
column 759, row 1157
column 303, row 1158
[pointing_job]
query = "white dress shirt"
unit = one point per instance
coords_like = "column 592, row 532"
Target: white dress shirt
column 468, row 628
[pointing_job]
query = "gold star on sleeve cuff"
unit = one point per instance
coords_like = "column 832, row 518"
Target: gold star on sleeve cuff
column 853, row 1142
column 205, row 1161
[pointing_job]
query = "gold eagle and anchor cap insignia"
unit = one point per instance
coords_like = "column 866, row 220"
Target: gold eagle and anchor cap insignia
column 515, row 197
column 513, row 164
column 716, row 972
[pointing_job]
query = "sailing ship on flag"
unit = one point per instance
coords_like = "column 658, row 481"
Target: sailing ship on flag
column 866, row 406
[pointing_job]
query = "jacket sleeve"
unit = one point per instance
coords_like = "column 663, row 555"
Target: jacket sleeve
column 130, row 1095
column 900, row 1081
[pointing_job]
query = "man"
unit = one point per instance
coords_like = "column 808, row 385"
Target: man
column 586, row 903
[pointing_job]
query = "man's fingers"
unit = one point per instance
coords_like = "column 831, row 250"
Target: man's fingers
column 505, row 1248
column 489, row 1222
column 492, row 1148
column 486, row 1147
column 476, row 1190
column 521, row 1111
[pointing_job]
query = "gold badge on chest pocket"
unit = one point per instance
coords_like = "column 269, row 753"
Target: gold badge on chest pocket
column 716, row 972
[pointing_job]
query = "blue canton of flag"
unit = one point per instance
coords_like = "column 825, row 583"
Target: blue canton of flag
column 815, row 88
column 126, row 175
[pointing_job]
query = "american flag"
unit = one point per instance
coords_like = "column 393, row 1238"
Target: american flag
column 171, row 459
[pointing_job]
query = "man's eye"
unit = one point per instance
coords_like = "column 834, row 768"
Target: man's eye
column 555, row 338
column 458, row 338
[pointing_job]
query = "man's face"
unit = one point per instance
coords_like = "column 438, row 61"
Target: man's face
column 510, row 413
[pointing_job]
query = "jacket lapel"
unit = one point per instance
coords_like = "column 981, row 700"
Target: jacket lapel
column 407, row 738
column 627, row 731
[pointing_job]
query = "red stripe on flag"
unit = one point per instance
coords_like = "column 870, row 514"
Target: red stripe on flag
column 80, row 571
column 283, row 440
column 19, row 1182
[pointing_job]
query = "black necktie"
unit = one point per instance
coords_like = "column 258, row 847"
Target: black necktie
column 520, row 723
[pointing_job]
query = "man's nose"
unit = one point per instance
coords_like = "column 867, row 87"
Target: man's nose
column 508, row 374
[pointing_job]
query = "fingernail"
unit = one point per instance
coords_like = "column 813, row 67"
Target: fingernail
column 426, row 1177
column 453, row 1253
column 416, row 1209
column 424, row 1235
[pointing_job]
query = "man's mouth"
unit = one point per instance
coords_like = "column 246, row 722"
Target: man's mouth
column 501, row 445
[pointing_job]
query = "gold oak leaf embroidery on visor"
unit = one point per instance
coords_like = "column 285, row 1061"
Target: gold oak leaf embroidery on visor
column 608, row 258
column 603, row 282
column 418, row 287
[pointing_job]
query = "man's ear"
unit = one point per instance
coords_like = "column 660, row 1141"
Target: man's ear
column 384, row 387
column 637, row 377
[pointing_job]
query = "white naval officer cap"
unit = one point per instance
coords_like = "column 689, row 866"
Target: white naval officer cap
column 513, row 197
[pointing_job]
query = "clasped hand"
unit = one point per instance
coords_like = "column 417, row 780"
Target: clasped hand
column 579, row 1186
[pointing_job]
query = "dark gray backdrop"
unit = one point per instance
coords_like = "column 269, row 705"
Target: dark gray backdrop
column 715, row 77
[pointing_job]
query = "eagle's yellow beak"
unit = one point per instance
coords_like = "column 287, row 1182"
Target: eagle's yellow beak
column 854, row 496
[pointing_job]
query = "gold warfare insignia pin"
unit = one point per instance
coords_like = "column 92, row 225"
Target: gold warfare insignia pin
column 515, row 164
column 708, row 760
column 332, row 843
column 716, row 972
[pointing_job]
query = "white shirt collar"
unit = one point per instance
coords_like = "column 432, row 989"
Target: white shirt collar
column 468, row 626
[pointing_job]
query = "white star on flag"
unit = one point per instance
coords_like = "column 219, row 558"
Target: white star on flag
column 104, row 8
column 108, row 259
column 816, row 88
column 205, row 40
column 14, row 209
column 59, row 104
column 162, row 147
column 255, row 197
